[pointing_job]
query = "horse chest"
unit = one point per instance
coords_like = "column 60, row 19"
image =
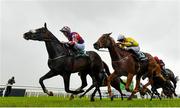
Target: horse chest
column 55, row 65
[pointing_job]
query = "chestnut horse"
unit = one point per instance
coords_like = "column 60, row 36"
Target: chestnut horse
column 125, row 64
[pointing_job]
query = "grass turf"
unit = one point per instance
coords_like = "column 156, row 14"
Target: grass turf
column 84, row 102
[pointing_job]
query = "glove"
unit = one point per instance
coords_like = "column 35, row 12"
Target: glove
column 125, row 48
column 71, row 43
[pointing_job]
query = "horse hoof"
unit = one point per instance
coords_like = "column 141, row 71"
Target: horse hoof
column 129, row 98
column 80, row 96
column 111, row 98
column 71, row 97
column 92, row 100
column 50, row 93
column 123, row 94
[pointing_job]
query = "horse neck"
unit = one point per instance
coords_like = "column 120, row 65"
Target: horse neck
column 54, row 47
column 115, row 56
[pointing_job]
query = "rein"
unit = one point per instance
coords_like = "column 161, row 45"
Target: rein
column 103, row 50
column 122, row 58
column 57, row 57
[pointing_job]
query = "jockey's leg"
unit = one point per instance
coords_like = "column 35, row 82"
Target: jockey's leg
column 80, row 48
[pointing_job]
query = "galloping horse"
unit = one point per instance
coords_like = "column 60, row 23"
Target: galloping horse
column 172, row 78
column 169, row 89
column 103, row 82
column 125, row 64
column 61, row 63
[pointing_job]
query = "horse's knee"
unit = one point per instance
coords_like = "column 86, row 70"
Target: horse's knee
column 41, row 80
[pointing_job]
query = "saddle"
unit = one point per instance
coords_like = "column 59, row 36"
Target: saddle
column 73, row 52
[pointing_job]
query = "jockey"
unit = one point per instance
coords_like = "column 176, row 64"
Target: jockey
column 75, row 40
column 130, row 44
column 162, row 65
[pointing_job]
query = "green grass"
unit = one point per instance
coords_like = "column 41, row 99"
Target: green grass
column 84, row 102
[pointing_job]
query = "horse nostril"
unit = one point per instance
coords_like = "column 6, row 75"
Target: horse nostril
column 96, row 46
column 25, row 36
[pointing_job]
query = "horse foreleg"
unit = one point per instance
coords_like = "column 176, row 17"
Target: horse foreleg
column 109, row 79
column 150, row 82
column 136, row 89
column 46, row 76
column 115, row 83
column 66, row 78
column 93, row 94
column 99, row 91
column 83, row 80
column 129, row 80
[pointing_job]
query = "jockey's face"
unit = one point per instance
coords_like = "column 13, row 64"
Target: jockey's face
column 66, row 34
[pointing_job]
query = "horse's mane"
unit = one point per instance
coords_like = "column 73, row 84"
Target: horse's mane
column 55, row 38
column 124, row 52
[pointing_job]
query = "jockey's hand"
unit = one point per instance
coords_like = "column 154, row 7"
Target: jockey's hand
column 125, row 48
column 71, row 43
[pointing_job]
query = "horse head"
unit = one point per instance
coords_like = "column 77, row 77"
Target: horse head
column 105, row 41
column 40, row 34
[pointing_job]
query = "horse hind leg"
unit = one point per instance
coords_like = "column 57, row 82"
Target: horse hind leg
column 47, row 76
column 91, row 87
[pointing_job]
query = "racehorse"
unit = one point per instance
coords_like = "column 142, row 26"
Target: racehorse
column 167, row 90
column 125, row 64
column 174, row 79
column 142, row 94
column 61, row 62
column 103, row 82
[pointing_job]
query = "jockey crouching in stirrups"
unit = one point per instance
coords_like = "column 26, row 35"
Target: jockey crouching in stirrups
column 75, row 40
column 131, row 45
column 162, row 65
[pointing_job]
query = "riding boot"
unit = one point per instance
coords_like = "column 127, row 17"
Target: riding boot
column 165, row 72
column 81, row 53
column 139, row 55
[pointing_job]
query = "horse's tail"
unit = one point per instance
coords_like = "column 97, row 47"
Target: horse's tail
column 106, row 68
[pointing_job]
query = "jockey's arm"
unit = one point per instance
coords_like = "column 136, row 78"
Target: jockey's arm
column 127, row 43
column 74, row 40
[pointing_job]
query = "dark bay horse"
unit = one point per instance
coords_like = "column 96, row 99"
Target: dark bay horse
column 169, row 89
column 170, row 76
column 61, row 63
column 124, row 64
column 103, row 82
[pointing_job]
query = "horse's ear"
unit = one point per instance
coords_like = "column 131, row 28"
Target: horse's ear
column 45, row 25
column 109, row 34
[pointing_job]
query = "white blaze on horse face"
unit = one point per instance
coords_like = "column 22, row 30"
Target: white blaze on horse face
column 33, row 31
